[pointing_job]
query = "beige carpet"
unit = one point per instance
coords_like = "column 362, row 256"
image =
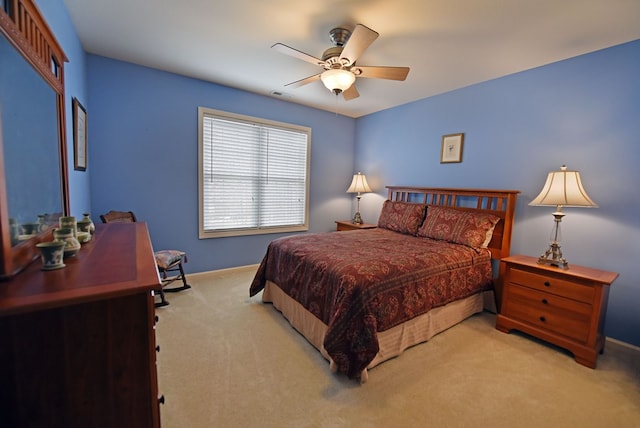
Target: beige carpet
column 230, row 361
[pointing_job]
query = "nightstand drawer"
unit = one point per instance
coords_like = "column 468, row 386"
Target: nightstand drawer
column 549, row 284
column 560, row 315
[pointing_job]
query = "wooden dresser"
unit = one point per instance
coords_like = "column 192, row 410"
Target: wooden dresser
column 77, row 345
column 566, row 307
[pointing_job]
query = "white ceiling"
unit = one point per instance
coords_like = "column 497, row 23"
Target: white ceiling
column 448, row 44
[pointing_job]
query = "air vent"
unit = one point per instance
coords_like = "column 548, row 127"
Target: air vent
column 280, row 94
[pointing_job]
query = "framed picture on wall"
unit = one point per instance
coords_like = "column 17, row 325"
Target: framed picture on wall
column 79, row 136
column 451, row 150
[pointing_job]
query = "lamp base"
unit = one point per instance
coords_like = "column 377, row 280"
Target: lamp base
column 553, row 257
column 357, row 218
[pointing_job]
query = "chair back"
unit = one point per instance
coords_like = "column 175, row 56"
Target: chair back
column 118, row 217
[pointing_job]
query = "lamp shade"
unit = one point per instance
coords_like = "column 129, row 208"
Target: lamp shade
column 563, row 188
column 337, row 80
column 359, row 184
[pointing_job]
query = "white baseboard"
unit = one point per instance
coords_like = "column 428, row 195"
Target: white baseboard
column 623, row 344
column 231, row 269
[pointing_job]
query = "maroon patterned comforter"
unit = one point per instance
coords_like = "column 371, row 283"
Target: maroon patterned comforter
column 365, row 281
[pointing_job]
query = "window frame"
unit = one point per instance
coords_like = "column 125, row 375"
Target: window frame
column 206, row 234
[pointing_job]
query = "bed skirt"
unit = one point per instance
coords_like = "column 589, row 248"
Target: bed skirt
column 391, row 342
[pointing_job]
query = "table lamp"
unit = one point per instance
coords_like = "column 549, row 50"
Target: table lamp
column 358, row 185
column 562, row 189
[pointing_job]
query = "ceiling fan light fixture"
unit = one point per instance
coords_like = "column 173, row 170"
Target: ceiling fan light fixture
column 339, row 62
column 337, row 80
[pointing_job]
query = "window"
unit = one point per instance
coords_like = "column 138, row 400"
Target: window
column 253, row 175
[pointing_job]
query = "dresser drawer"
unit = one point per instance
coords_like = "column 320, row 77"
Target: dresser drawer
column 552, row 285
column 551, row 312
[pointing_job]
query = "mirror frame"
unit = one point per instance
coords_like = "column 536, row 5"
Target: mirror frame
column 25, row 28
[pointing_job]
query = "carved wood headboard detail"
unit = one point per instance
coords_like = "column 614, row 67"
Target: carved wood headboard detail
column 27, row 28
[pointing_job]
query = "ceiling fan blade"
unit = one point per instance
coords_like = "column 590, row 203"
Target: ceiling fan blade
column 351, row 93
column 391, row 73
column 287, row 50
column 304, row 81
column 359, row 41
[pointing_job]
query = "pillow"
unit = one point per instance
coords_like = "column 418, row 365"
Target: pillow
column 458, row 226
column 166, row 258
column 403, row 217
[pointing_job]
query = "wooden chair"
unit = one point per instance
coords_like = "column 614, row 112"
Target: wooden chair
column 166, row 260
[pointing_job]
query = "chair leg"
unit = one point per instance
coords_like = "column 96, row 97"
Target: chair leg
column 183, row 277
column 163, row 301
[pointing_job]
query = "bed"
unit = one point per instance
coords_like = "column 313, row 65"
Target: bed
column 362, row 297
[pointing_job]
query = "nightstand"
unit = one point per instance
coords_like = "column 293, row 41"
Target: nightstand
column 348, row 225
column 566, row 307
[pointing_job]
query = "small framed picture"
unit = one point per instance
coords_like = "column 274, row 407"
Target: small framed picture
column 79, row 136
column 451, row 151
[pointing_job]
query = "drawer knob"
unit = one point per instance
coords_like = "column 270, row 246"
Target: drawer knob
column 161, row 399
column 158, row 348
column 545, row 301
column 547, row 284
column 543, row 319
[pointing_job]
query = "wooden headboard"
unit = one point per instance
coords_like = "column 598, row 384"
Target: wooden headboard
column 501, row 203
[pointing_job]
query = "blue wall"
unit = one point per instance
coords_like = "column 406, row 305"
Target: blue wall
column 75, row 74
column 143, row 156
column 582, row 112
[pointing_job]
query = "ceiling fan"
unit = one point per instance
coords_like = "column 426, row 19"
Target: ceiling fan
column 339, row 62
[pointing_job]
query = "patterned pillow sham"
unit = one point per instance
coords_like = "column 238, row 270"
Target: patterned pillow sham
column 403, row 217
column 457, row 226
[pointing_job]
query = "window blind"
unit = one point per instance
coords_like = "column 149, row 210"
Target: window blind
column 254, row 174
